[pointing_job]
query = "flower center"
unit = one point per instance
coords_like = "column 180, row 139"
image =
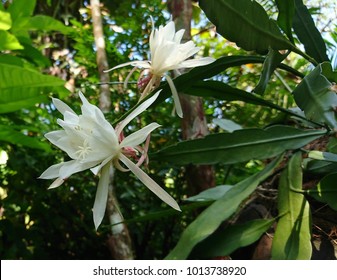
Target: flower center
column 83, row 150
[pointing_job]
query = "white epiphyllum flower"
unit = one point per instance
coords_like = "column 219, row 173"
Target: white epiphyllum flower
column 167, row 53
column 91, row 142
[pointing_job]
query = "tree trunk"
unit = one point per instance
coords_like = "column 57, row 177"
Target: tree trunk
column 194, row 125
column 119, row 242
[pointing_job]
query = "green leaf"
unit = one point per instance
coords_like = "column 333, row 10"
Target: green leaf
column 326, row 191
column 222, row 91
column 293, row 232
column 314, row 95
column 239, row 146
column 210, row 194
column 22, row 88
column 5, row 20
column 308, row 34
column 272, row 61
column 319, row 166
column 32, row 54
column 185, row 81
column 21, row 8
column 285, row 16
column 225, row 242
column 7, row 134
column 323, row 156
column 9, row 41
column 211, row 218
column 227, row 125
column 46, row 23
column 255, row 30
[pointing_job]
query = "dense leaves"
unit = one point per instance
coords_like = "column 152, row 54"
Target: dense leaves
column 271, row 92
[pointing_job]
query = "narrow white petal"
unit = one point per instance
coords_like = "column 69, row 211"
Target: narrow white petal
column 175, row 96
column 101, row 196
column 179, row 35
column 58, row 182
column 52, row 172
column 139, row 136
column 73, row 166
column 61, row 106
column 141, row 108
column 98, row 168
column 132, row 63
column 196, row 62
column 148, row 182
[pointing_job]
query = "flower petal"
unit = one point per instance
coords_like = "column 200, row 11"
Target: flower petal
column 190, row 63
column 58, row 182
column 175, row 96
column 141, row 108
column 52, row 172
column 138, row 63
column 61, row 106
column 149, row 183
column 139, row 136
column 101, row 196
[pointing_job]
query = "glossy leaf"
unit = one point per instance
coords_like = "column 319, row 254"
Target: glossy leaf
column 293, row 232
column 8, row 134
column 272, row 61
column 239, row 146
column 8, row 41
column 21, row 8
column 211, row 194
column 222, row 91
column 257, row 31
column 314, row 95
column 46, row 23
column 225, row 242
column 323, row 156
column 5, row 20
column 227, row 125
column 211, row 218
column 326, row 191
column 12, row 81
column 319, row 166
column 285, row 16
column 308, row 33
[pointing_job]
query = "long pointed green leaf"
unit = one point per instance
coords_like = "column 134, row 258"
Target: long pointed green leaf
column 293, row 232
column 285, row 16
column 254, row 30
column 225, row 242
column 7, row 134
column 5, row 20
column 239, row 146
column 22, row 88
column 8, row 41
column 272, row 61
column 326, row 191
column 308, row 33
column 330, row 157
column 211, row 218
column 222, row 91
column 314, row 95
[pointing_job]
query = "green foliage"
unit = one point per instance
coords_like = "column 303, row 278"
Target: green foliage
column 292, row 236
column 314, row 95
column 241, row 145
column 308, row 33
column 211, row 218
column 224, row 242
column 257, row 32
column 259, row 76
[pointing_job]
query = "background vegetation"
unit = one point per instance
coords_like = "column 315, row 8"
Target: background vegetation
column 269, row 103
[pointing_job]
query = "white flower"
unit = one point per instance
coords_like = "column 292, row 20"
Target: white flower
column 167, row 53
column 91, row 142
